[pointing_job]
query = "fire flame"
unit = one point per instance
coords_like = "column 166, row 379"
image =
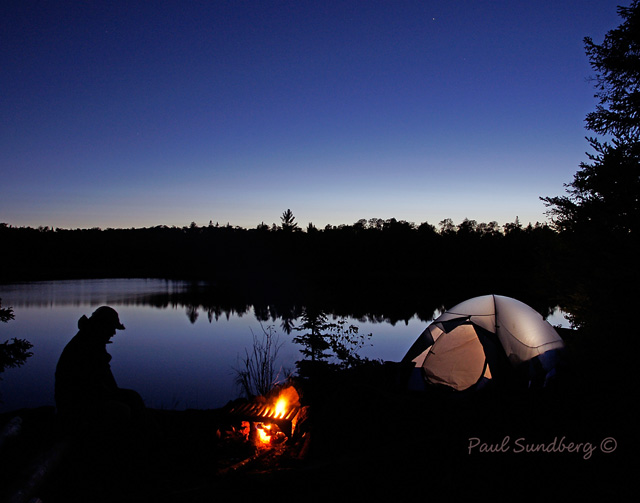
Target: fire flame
column 281, row 408
column 264, row 433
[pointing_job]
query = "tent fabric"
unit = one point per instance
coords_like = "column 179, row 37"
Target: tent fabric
column 478, row 338
column 457, row 361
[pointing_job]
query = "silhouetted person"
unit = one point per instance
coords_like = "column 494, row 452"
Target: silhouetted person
column 86, row 393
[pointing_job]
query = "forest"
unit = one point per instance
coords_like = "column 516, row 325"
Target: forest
column 372, row 261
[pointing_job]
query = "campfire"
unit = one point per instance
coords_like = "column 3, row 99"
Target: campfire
column 270, row 421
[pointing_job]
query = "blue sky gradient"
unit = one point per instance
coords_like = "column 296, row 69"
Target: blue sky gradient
column 135, row 114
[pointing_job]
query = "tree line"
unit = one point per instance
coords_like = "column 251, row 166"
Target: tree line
column 374, row 259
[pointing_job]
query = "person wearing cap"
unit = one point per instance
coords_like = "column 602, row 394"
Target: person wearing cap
column 86, row 392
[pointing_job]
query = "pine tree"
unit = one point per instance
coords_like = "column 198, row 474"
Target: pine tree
column 600, row 214
column 604, row 196
column 289, row 223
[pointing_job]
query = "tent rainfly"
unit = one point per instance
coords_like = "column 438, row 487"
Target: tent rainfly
column 481, row 340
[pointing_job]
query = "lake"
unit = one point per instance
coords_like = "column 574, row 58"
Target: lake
column 177, row 352
column 176, row 355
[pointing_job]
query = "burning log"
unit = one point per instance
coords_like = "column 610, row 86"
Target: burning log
column 282, row 410
column 273, row 425
column 266, row 434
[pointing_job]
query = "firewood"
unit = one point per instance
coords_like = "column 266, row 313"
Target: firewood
column 39, row 473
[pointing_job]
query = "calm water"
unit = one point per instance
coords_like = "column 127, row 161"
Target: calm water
column 175, row 355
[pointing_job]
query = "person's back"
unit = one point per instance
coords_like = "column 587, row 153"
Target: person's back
column 108, row 428
column 83, row 373
column 86, row 392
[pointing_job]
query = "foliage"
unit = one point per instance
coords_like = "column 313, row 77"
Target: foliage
column 259, row 374
column 314, row 343
column 220, row 252
column 605, row 193
column 345, row 341
column 325, row 341
column 604, row 197
column 13, row 353
column 6, row 314
column 617, row 81
column 599, row 216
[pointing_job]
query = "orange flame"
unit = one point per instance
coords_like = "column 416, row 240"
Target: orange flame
column 287, row 399
column 281, row 408
column 264, row 433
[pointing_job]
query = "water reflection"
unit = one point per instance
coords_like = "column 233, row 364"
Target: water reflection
column 180, row 347
column 183, row 339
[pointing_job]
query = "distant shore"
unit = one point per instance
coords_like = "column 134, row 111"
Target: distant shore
column 386, row 263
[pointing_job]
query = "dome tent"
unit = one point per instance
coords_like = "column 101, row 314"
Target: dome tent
column 483, row 339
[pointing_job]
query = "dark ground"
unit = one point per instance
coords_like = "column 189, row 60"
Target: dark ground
column 368, row 438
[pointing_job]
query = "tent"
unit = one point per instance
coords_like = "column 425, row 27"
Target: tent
column 483, row 340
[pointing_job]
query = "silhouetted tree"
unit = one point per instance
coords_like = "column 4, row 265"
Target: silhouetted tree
column 6, row 314
column 14, row 353
column 490, row 229
column 324, row 340
column 467, row 226
column 360, row 225
column 381, row 263
column 447, row 226
column 604, row 196
column 427, row 229
column 288, row 222
column 512, row 227
column 314, row 342
column 376, row 223
column 600, row 215
column 615, row 62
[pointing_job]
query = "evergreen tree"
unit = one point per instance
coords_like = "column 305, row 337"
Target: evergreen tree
column 601, row 212
column 289, row 223
column 604, row 195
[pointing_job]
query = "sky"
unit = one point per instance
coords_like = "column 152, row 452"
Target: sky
column 142, row 113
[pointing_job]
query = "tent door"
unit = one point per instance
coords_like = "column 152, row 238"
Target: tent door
column 456, row 359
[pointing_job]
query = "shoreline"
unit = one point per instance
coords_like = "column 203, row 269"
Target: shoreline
column 365, row 433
